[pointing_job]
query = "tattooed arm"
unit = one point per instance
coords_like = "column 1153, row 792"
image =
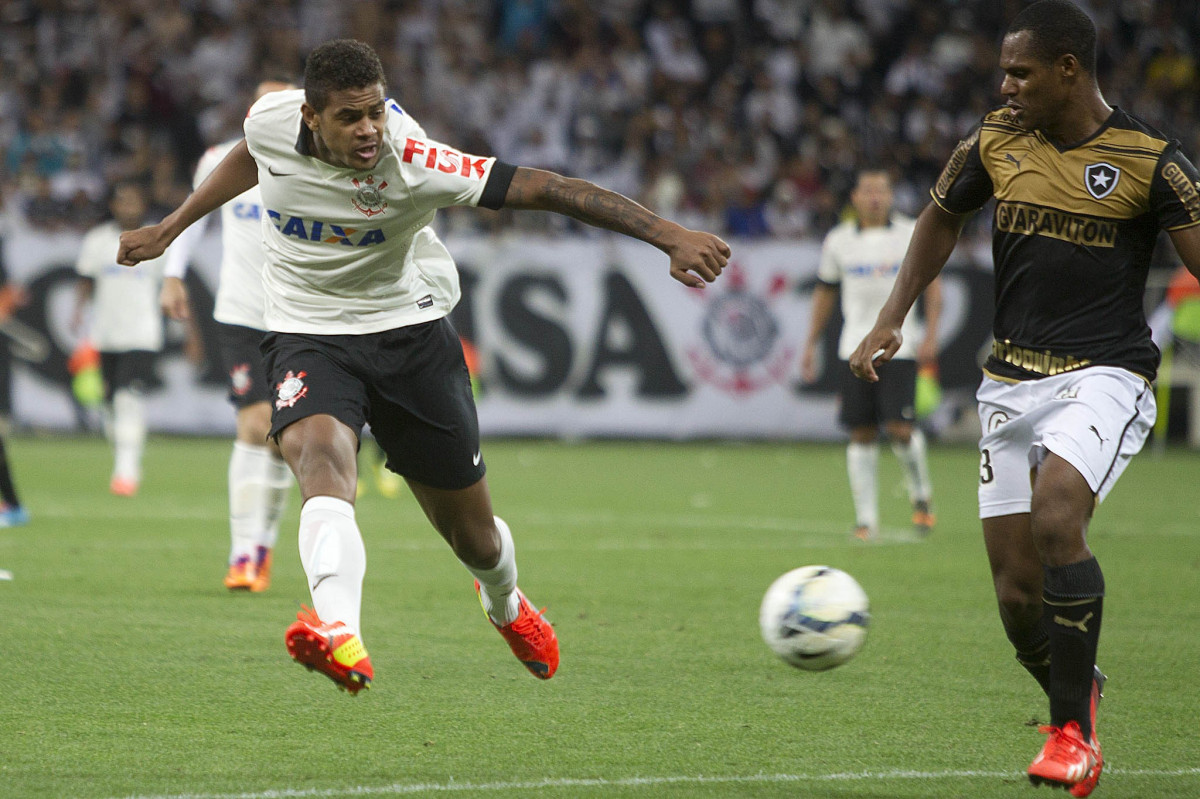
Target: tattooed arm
column 689, row 250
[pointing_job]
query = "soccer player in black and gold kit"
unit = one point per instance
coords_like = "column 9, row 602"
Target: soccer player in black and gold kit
column 1082, row 191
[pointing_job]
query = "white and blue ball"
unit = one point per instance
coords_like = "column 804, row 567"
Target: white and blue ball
column 815, row 617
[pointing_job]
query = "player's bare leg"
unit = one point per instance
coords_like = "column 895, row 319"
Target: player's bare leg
column 1073, row 595
column 484, row 544
column 1017, row 580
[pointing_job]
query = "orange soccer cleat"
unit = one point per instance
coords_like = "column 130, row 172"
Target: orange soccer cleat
column 1088, row 784
column 1066, row 760
column 923, row 517
column 330, row 648
column 123, row 486
column 241, row 575
column 262, row 570
column 865, row 533
column 530, row 637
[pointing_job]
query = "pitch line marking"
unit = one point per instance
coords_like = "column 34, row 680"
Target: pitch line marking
column 402, row 789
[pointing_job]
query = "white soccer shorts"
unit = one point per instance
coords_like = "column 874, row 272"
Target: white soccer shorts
column 1095, row 418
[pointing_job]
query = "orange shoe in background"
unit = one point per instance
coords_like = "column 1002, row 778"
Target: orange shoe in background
column 241, row 575
column 262, row 570
column 123, row 486
column 923, row 518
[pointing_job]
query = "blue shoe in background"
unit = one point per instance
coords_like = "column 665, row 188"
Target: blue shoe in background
column 14, row 517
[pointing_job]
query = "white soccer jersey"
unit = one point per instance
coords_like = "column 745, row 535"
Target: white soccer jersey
column 240, row 296
column 864, row 262
column 125, row 310
column 352, row 251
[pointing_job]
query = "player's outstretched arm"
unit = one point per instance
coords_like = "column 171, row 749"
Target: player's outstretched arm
column 696, row 257
column 1187, row 244
column 236, row 173
column 933, row 240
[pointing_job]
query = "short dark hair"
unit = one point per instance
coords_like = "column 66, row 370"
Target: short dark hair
column 337, row 65
column 1059, row 27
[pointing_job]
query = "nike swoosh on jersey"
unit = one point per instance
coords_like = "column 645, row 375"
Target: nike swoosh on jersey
column 273, row 173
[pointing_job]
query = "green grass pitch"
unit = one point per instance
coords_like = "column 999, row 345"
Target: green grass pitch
column 128, row 670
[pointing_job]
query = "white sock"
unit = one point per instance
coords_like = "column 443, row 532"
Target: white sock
column 128, row 434
column 861, row 463
column 279, row 484
column 498, row 585
column 247, row 498
column 334, row 559
column 915, row 465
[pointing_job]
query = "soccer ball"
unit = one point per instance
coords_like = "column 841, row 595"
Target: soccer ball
column 815, row 617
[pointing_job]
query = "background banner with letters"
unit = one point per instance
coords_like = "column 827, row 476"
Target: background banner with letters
column 577, row 337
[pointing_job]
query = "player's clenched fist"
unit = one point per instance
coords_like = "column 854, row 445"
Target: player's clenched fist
column 142, row 244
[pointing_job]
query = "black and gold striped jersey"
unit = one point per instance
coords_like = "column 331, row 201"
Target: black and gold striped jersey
column 1073, row 231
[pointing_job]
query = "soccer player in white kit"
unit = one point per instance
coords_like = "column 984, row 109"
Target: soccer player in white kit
column 859, row 260
column 358, row 288
column 1083, row 190
column 259, row 478
column 126, row 329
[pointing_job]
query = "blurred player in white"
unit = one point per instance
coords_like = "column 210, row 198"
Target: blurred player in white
column 126, row 329
column 358, row 290
column 861, row 257
column 258, row 476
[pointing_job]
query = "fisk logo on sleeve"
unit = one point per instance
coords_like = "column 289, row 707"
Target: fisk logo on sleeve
column 443, row 159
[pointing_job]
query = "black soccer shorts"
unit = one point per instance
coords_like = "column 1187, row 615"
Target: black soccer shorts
column 410, row 384
column 240, row 350
column 892, row 399
column 131, row 369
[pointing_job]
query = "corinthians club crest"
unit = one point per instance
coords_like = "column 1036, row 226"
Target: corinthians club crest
column 291, row 390
column 368, row 198
column 1100, row 179
column 744, row 350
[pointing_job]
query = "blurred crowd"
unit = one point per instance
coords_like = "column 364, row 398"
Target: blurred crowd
column 747, row 118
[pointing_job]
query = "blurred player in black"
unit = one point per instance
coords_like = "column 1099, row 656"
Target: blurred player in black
column 1082, row 191
column 12, row 512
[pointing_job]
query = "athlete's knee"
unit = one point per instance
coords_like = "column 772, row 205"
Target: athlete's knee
column 1059, row 528
column 1020, row 600
column 475, row 542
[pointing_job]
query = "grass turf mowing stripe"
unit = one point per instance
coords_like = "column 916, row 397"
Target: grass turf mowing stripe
column 400, row 789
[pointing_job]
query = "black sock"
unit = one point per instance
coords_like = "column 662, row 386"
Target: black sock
column 8, row 492
column 1034, row 655
column 1073, row 596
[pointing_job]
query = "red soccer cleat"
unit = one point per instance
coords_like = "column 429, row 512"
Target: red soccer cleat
column 530, row 637
column 1066, row 760
column 331, row 649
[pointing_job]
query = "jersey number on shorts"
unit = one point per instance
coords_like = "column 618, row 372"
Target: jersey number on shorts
column 985, row 467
